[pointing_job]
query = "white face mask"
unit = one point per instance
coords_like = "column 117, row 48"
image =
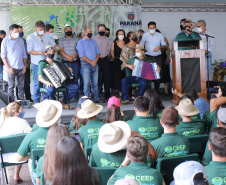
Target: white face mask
column 138, row 55
column 152, row 31
column 41, row 32
column 199, row 30
column 121, row 37
column 15, row 35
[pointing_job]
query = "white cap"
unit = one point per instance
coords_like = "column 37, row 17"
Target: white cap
column 222, row 114
column 67, row 25
column 184, row 173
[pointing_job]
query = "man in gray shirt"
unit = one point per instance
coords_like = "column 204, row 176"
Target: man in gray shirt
column 103, row 44
column 68, row 52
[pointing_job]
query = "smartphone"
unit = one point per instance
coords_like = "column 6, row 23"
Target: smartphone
column 212, row 90
column 76, row 135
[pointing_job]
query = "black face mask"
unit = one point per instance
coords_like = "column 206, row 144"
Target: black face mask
column 68, row 33
column 50, row 56
column 134, row 39
column 107, row 34
column 89, row 35
column 101, row 33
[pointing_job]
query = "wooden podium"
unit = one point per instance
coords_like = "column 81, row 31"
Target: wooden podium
column 178, row 57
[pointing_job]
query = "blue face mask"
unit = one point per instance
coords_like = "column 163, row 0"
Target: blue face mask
column 21, row 34
column 21, row 115
column 51, row 35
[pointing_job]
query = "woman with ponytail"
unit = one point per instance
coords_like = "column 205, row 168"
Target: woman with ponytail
column 11, row 123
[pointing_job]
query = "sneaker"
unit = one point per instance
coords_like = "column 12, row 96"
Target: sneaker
column 65, row 106
column 124, row 102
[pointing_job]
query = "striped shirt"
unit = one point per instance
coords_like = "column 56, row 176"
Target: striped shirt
column 103, row 45
column 69, row 46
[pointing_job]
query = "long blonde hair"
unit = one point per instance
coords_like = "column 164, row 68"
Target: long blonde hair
column 9, row 111
column 77, row 122
column 55, row 134
column 139, row 34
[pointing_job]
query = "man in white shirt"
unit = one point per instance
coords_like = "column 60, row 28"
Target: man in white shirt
column 153, row 42
column 201, row 27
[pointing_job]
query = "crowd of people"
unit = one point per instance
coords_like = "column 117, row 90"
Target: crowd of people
column 95, row 61
column 132, row 147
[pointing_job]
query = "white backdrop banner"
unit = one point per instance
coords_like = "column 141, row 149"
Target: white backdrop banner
column 127, row 18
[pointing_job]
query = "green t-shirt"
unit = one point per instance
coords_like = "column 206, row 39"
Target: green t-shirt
column 171, row 145
column 100, row 159
column 207, row 157
column 90, row 132
column 41, row 66
column 206, row 114
column 143, row 174
column 195, row 117
column 39, row 168
column 35, row 127
column 191, row 128
column 212, row 121
column 183, row 37
column 216, row 173
column 33, row 140
column 148, row 127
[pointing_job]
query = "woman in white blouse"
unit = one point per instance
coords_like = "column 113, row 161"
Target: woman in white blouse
column 11, row 123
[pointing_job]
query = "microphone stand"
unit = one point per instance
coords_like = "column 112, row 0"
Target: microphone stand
column 207, row 55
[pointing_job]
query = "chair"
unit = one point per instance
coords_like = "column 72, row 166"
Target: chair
column 105, row 174
column 9, row 144
column 88, row 151
column 198, row 143
column 167, row 165
column 36, row 154
column 62, row 90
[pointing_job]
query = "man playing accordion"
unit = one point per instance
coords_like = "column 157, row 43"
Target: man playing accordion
column 72, row 89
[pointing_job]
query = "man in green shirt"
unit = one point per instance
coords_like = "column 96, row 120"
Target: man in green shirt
column 90, row 132
column 187, row 128
column 146, row 126
column 221, row 122
column 170, row 144
column 137, row 170
column 216, row 171
column 110, row 149
column 140, row 55
column 186, row 37
column 49, row 113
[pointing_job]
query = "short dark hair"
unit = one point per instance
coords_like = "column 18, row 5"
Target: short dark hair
column 218, row 141
column 137, row 148
column 182, row 20
column 141, row 103
column 20, row 26
column 48, row 27
column 107, row 29
column 199, row 177
column 2, row 32
column 151, row 23
column 193, row 94
column 39, row 24
column 13, row 26
column 101, row 25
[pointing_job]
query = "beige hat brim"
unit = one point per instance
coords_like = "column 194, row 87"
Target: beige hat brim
column 194, row 112
column 47, row 124
column 121, row 144
column 81, row 114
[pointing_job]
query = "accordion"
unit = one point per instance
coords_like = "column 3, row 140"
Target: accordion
column 58, row 74
column 145, row 70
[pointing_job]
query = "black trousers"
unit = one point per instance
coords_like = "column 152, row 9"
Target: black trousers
column 158, row 60
column 27, row 85
column 104, row 67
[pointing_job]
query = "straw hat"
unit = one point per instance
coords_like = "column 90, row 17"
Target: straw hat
column 113, row 136
column 49, row 111
column 192, row 23
column 89, row 109
column 186, row 108
column 141, row 47
column 48, row 47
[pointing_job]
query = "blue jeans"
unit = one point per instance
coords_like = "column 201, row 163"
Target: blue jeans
column 81, row 84
column 72, row 90
column 210, row 65
column 90, row 77
column 1, row 71
column 36, row 93
column 75, row 69
column 130, row 80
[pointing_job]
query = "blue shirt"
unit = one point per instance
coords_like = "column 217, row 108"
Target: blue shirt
column 87, row 48
column 37, row 43
column 14, row 52
column 151, row 42
column 202, row 105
